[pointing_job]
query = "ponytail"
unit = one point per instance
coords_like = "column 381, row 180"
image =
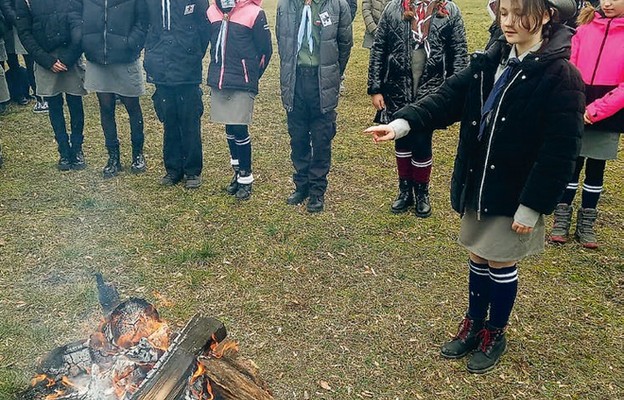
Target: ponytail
column 586, row 15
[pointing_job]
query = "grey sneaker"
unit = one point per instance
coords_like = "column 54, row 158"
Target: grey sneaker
column 193, row 182
column 561, row 223
column 585, row 220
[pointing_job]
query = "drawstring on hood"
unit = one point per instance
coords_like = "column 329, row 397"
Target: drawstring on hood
column 166, row 14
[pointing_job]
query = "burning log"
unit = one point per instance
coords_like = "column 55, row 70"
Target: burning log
column 170, row 375
column 233, row 377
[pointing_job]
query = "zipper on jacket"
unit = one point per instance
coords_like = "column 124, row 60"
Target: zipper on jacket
column 245, row 70
column 604, row 39
column 489, row 147
column 105, row 27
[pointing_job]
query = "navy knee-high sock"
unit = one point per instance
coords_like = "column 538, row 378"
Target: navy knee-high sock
column 478, row 290
column 503, row 291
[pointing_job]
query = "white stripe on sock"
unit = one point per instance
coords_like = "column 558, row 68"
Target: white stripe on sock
column 233, row 162
column 401, row 154
column 422, row 164
column 501, row 276
column 504, row 280
column 243, row 142
column 592, row 189
column 572, row 186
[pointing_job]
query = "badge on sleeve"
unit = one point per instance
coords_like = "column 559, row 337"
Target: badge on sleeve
column 325, row 19
column 189, row 9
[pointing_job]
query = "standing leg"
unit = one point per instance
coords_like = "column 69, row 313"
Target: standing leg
column 300, row 150
column 403, row 154
column 109, row 126
column 422, row 161
column 41, row 106
column 135, row 114
column 563, row 212
column 243, row 149
column 164, row 99
column 76, row 114
column 190, row 108
column 588, row 212
column 57, row 119
column 232, row 188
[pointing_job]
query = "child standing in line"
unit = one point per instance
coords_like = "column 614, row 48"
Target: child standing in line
column 417, row 45
column 598, row 53
column 521, row 108
column 240, row 51
column 59, row 69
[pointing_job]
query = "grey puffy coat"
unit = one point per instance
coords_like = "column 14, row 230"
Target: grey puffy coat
column 335, row 48
column 371, row 12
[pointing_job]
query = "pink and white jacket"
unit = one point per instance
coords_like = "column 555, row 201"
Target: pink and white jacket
column 598, row 52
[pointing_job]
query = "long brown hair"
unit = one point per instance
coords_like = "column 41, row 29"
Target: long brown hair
column 531, row 13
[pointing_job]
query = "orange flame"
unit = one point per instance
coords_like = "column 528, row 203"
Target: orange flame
column 219, row 349
column 57, row 393
column 154, row 330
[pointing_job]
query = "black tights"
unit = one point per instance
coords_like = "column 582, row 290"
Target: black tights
column 13, row 63
column 57, row 119
column 592, row 185
column 109, row 126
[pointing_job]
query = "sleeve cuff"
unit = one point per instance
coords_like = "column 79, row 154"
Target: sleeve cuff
column 526, row 216
column 401, row 128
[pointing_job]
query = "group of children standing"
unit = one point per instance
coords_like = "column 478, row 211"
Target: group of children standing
column 526, row 114
column 314, row 39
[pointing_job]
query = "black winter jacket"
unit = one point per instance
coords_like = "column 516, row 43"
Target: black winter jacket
column 110, row 31
column 176, row 46
column 390, row 71
column 247, row 50
column 3, row 26
column 43, row 27
column 529, row 151
column 8, row 10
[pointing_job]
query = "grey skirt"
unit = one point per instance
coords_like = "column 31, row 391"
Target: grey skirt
column 122, row 79
column 491, row 238
column 13, row 43
column 3, row 53
column 232, row 107
column 600, row 145
column 50, row 83
column 4, row 88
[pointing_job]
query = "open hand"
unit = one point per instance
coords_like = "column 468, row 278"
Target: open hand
column 381, row 133
column 586, row 118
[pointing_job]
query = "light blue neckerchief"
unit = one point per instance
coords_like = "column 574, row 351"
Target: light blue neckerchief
column 221, row 38
column 305, row 27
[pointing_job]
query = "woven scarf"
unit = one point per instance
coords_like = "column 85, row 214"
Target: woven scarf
column 421, row 13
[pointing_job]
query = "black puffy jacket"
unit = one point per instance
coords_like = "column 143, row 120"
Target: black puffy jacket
column 176, row 45
column 247, row 48
column 529, row 152
column 8, row 10
column 43, row 27
column 110, row 31
column 390, row 71
column 3, row 26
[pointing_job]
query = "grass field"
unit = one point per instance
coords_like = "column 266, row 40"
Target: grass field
column 354, row 297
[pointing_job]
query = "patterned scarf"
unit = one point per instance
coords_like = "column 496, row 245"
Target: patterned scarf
column 419, row 13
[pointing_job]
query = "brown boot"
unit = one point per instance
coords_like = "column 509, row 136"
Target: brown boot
column 585, row 219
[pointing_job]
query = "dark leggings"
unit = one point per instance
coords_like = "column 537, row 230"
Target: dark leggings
column 13, row 62
column 57, row 119
column 109, row 126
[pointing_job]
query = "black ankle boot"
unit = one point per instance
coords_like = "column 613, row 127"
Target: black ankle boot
column 113, row 166
column 232, row 188
column 492, row 346
column 64, row 162
column 78, row 160
column 139, row 165
column 423, row 207
column 243, row 191
column 466, row 340
column 405, row 199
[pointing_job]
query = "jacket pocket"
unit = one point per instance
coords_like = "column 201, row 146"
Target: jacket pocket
column 245, row 70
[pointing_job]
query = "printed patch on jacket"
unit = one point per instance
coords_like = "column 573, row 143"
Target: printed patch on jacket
column 189, row 9
column 325, row 18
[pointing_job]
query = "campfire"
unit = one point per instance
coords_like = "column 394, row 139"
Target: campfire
column 133, row 355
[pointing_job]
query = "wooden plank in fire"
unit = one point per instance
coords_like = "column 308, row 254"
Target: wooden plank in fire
column 168, row 379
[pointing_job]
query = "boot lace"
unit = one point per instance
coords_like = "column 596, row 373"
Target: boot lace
column 487, row 339
column 464, row 329
column 562, row 218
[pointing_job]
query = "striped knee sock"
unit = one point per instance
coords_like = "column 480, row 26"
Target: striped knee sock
column 503, row 291
column 404, row 165
column 591, row 195
column 478, row 290
column 422, row 170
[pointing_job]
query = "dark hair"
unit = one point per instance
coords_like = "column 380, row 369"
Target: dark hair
column 531, row 13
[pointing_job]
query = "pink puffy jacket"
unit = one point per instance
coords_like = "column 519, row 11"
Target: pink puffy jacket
column 598, row 52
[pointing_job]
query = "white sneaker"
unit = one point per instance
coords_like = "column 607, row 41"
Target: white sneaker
column 41, row 107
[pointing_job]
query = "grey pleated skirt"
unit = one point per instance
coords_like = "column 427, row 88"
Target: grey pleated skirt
column 50, row 83
column 600, row 145
column 122, row 79
column 491, row 237
column 232, row 107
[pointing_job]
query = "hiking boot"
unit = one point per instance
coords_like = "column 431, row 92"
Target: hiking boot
column 465, row 341
column 64, row 162
column 561, row 223
column 113, row 166
column 405, row 199
column 232, row 188
column 170, row 179
column 423, row 207
column 585, row 219
column 492, row 346
column 297, row 197
column 78, row 161
column 41, row 107
column 138, row 165
column 315, row 204
column 193, row 182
